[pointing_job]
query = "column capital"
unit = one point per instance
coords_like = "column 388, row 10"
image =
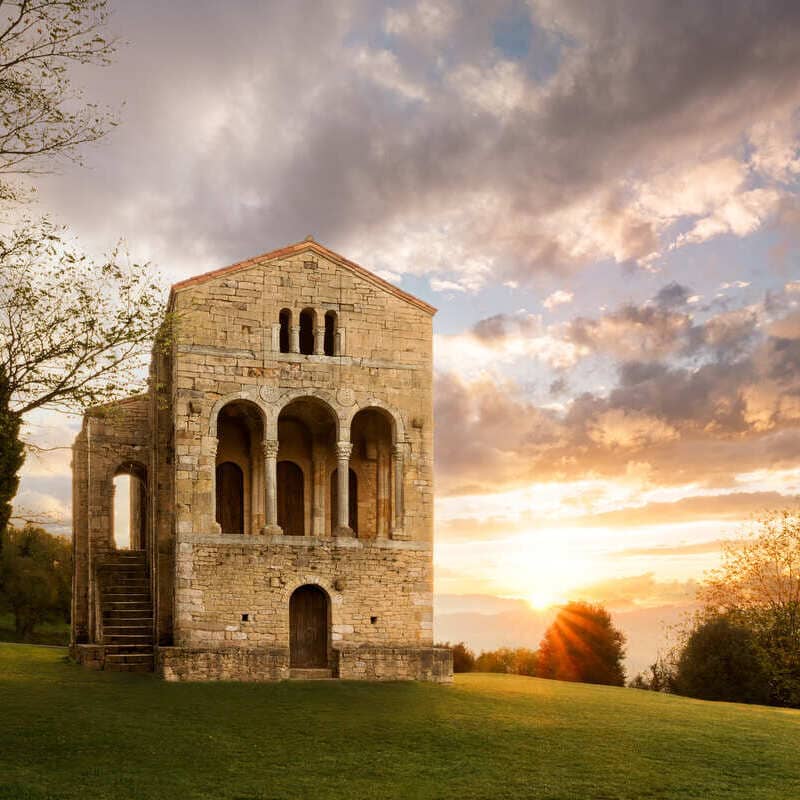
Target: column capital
column 343, row 450
column 270, row 448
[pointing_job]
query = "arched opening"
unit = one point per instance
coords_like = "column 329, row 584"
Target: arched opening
column 291, row 499
column 308, row 628
column 129, row 512
column 285, row 319
column 330, row 333
column 352, row 500
column 230, row 497
column 239, row 468
column 307, row 316
column 371, row 433
column 306, row 438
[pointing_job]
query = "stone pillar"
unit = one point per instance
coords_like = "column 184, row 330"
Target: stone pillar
column 398, row 456
column 212, row 460
column 319, row 341
column 318, row 486
column 343, row 450
column 383, row 505
column 271, row 481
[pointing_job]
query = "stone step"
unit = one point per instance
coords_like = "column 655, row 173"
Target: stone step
column 141, row 649
column 127, row 617
column 143, row 667
column 119, row 628
column 128, row 638
column 310, row 674
column 127, row 605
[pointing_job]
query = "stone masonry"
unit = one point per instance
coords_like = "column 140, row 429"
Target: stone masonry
column 281, row 484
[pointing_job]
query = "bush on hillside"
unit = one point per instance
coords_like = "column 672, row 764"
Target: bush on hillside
column 722, row 660
column 463, row 657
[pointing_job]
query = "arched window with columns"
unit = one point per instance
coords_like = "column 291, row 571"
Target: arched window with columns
column 285, row 320
column 307, row 325
column 329, row 335
column 239, row 468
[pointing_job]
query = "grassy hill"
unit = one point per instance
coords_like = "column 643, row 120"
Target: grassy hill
column 69, row 733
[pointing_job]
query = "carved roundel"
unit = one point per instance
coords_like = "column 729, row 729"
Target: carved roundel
column 345, row 396
column 270, row 394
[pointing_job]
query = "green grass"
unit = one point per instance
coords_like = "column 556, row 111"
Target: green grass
column 54, row 633
column 66, row 732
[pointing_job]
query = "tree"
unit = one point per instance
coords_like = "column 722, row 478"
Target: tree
column 582, row 645
column 722, row 660
column 73, row 332
column 36, row 573
column 517, row 661
column 759, row 585
column 463, row 658
column 658, row 677
column 43, row 116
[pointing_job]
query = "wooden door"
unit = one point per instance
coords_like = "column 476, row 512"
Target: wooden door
column 230, row 497
column 308, row 628
column 291, row 499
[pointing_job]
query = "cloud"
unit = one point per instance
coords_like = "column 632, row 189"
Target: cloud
column 405, row 137
column 557, row 298
column 637, row 591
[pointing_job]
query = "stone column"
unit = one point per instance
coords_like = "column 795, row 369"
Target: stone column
column 212, row 460
column 343, row 450
column 319, row 341
column 271, row 481
column 398, row 456
column 318, row 485
column 294, row 339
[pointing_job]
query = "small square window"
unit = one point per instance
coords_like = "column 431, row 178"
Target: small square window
column 245, row 618
column 373, row 620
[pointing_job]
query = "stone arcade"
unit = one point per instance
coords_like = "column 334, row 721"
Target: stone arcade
column 281, row 505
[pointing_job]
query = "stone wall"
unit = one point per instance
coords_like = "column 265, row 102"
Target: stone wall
column 396, row 664
column 433, row 664
column 380, row 592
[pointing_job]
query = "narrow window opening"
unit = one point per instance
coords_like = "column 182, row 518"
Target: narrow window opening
column 373, row 620
column 330, row 333
column 245, row 618
column 307, row 331
column 285, row 318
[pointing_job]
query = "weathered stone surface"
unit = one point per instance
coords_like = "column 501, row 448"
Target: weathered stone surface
column 286, row 440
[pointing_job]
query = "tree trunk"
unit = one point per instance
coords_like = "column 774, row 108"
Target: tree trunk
column 12, row 454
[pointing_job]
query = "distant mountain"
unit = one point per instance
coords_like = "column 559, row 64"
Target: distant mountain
column 486, row 622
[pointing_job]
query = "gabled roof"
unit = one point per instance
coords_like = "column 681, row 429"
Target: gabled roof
column 293, row 249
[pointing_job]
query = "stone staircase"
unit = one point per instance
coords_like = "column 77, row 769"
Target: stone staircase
column 310, row 674
column 127, row 612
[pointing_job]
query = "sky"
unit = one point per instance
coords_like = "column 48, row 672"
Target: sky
column 601, row 199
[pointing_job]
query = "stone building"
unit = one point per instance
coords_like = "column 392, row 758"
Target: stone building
column 281, row 503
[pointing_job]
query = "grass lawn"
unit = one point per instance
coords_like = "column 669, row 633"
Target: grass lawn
column 66, row 732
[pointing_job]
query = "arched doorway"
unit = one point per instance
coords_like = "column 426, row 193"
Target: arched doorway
column 308, row 628
column 230, row 497
column 291, row 499
column 129, row 507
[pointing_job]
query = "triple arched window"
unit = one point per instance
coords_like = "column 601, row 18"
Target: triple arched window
column 310, row 336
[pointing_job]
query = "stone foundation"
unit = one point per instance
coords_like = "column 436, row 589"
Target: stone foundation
column 89, row 655
column 433, row 664
column 223, row 664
